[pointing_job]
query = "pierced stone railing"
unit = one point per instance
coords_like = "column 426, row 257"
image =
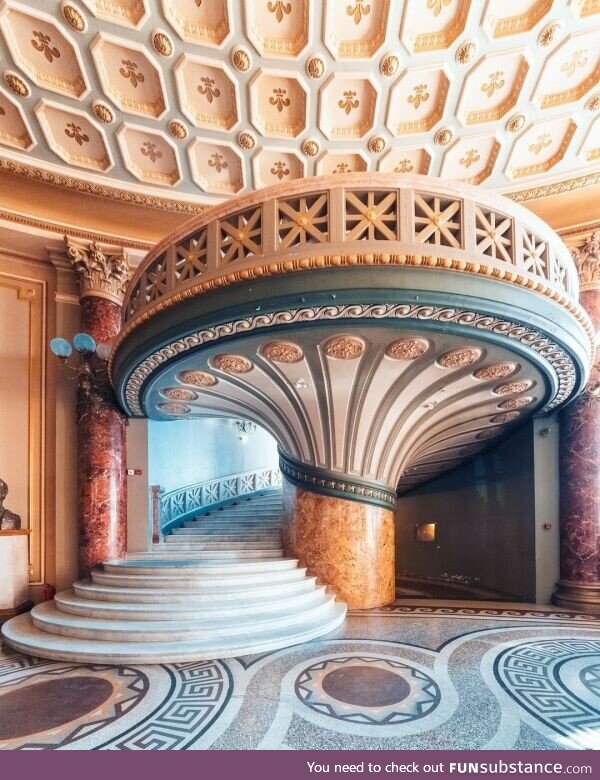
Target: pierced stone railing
column 184, row 502
column 353, row 219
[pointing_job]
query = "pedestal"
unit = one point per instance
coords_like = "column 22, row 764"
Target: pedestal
column 348, row 545
column 14, row 573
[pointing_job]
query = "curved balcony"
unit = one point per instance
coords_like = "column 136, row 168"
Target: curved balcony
column 381, row 327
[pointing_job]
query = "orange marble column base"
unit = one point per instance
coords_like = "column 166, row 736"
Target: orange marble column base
column 347, row 545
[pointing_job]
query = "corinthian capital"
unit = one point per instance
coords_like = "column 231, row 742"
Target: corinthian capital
column 587, row 259
column 100, row 273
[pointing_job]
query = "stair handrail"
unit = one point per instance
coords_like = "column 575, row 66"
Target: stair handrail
column 175, row 506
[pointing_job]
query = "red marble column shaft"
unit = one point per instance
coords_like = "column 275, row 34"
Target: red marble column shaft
column 579, row 586
column 101, row 451
column 347, row 545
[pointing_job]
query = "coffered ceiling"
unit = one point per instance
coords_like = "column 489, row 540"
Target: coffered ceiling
column 203, row 99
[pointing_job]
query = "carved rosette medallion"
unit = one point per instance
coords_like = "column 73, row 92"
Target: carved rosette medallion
column 232, row 364
column 178, row 129
column 174, row 408
column 459, row 358
column 587, row 260
column 73, row 18
column 246, row 140
column 311, row 148
column 515, row 123
column 344, row 347
column 516, row 403
column 465, row 52
column 376, row 144
column 495, row 371
column 162, row 43
column 315, row 67
column 180, row 394
column 16, row 84
column 505, row 417
column 443, row 137
column 593, row 103
column 103, row 113
column 407, row 349
column 282, row 352
column 548, row 34
column 100, row 273
column 513, row 388
column 389, row 65
column 197, row 378
column 240, row 60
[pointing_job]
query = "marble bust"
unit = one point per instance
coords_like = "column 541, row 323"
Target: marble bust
column 9, row 521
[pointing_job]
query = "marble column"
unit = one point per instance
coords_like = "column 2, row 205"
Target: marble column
column 101, row 425
column 347, row 545
column 579, row 585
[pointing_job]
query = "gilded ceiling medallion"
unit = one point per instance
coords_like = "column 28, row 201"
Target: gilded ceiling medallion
column 512, row 388
column 240, row 60
column 197, row 378
column 515, row 123
column 103, row 113
column 232, row 364
column 389, row 65
column 344, row 347
column 178, row 129
column 488, row 434
column 495, row 371
column 180, row 394
column 310, row 148
column 593, row 103
column 407, row 349
column 315, row 67
column 282, row 352
column 459, row 358
column 17, row 85
column 516, row 403
column 174, row 408
column 246, row 140
column 505, row 417
column 443, row 137
column 465, row 52
column 162, row 43
column 548, row 34
column 73, row 18
column 376, row 144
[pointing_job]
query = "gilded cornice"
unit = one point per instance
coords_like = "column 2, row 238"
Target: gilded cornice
column 587, row 260
column 100, row 274
column 557, row 188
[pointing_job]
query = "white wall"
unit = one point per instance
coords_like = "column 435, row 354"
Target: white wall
column 187, row 451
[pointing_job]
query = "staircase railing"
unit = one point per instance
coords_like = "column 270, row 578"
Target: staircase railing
column 174, row 507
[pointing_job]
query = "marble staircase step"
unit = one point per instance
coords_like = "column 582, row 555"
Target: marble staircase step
column 236, row 554
column 85, row 605
column 193, row 596
column 200, row 566
column 22, row 635
column 174, row 552
column 186, row 579
column 202, row 527
column 217, row 535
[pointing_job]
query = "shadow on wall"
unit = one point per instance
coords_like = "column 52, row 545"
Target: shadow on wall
column 485, row 522
column 188, row 451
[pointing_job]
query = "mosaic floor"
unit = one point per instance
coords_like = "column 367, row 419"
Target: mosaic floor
column 415, row 675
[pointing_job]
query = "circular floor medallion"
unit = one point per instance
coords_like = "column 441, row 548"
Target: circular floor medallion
column 363, row 689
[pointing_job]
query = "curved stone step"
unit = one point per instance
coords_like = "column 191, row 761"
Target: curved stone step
column 188, row 580
column 22, row 635
column 48, row 617
column 216, row 535
column 193, row 596
column 202, row 544
column 85, row 605
column 235, row 554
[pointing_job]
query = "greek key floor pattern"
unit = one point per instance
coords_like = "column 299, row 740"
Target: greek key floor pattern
column 414, row 675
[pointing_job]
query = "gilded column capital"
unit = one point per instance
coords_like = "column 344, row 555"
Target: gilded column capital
column 587, row 260
column 100, row 272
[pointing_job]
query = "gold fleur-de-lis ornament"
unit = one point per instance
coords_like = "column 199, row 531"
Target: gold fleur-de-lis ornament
column 218, row 162
column 437, row 5
column 404, row 166
column 578, row 59
column 471, row 156
column 130, row 71
column 207, row 87
column 280, row 170
column 419, row 95
column 541, row 142
column 357, row 10
column 342, row 167
column 494, row 82
column 279, row 8
column 76, row 133
column 279, row 99
column 42, row 42
column 349, row 101
column 149, row 150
